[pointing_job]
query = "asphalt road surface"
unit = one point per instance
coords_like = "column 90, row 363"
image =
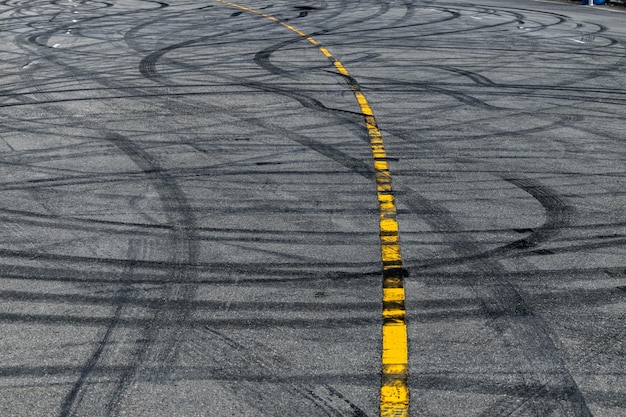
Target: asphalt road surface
column 191, row 207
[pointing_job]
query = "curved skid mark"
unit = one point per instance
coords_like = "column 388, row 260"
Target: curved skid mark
column 120, row 377
column 176, row 284
column 558, row 214
column 325, row 398
column 452, row 92
column 507, row 311
column 157, row 339
column 529, row 242
column 394, row 392
column 477, row 78
column 505, row 308
column 147, row 66
column 263, row 57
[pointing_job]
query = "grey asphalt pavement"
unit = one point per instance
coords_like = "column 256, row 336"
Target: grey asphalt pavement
column 190, row 222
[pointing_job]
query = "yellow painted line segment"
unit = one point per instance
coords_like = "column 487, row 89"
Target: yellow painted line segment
column 394, row 390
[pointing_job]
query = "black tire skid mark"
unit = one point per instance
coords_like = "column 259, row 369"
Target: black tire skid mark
column 440, row 89
column 259, row 274
column 451, row 15
column 263, row 57
column 410, row 13
column 147, row 66
column 562, row 92
column 160, row 373
column 513, row 305
column 597, row 71
column 529, row 91
column 161, row 4
column 164, row 328
column 81, row 272
column 260, row 267
column 457, row 95
column 132, row 34
column 127, row 297
column 507, row 310
column 184, row 242
column 453, row 8
column 148, row 69
column 158, row 231
column 435, row 276
column 474, row 76
column 184, row 246
column 605, row 242
column 32, row 157
column 613, row 136
column 327, row 399
column 497, row 308
column 40, row 39
column 73, row 400
column 411, row 8
column 523, row 20
column 406, row 139
column 558, row 215
column 329, row 405
column 485, row 82
column 501, row 299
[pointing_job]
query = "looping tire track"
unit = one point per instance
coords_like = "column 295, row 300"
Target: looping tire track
column 157, row 343
column 501, row 300
column 263, row 57
column 324, row 397
column 557, row 214
column 503, row 304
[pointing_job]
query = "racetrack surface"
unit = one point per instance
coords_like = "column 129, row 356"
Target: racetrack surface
column 193, row 207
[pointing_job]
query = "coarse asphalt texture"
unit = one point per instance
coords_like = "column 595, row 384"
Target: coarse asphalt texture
column 192, row 215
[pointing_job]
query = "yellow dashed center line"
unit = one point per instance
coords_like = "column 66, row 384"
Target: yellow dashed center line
column 394, row 391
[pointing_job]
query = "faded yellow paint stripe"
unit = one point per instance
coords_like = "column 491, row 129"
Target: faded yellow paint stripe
column 397, row 354
column 394, row 390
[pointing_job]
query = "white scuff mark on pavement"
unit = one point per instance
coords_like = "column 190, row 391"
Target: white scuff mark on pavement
column 30, row 64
